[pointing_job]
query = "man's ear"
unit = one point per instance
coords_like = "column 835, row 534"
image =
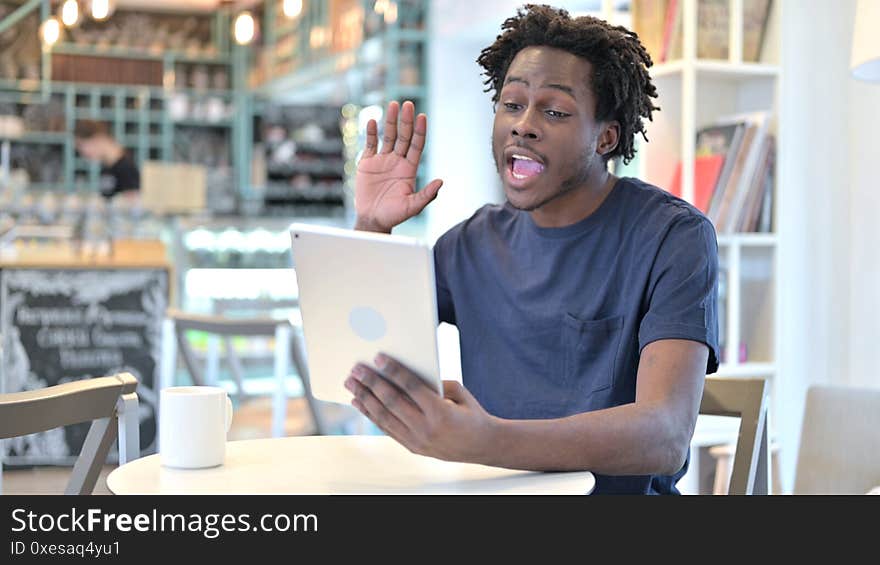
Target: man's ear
column 608, row 138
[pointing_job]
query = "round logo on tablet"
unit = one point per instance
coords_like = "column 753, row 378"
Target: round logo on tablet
column 366, row 323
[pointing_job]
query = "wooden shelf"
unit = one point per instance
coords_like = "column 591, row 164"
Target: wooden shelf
column 127, row 254
column 132, row 53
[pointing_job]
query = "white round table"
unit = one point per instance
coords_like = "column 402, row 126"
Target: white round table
column 337, row 465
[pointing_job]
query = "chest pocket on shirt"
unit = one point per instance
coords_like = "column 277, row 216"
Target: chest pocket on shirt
column 590, row 353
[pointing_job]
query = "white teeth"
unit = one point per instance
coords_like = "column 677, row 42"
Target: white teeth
column 518, row 177
column 522, row 157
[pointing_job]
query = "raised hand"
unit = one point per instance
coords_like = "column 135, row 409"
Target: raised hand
column 385, row 182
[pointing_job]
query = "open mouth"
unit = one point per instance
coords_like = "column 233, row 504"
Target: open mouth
column 522, row 167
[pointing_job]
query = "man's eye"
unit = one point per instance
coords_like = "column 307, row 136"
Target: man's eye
column 511, row 106
column 557, row 114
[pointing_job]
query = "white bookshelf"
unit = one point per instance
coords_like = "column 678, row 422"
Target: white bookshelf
column 695, row 93
column 716, row 69
column 747, row 370
column 747, row 240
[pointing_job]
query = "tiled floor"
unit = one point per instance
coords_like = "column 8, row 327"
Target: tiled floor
column 252, row 420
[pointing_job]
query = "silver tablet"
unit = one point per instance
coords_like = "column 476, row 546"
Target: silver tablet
column 361, row 293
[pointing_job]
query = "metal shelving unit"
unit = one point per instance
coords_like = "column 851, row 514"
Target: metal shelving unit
column 368, row 72
column 382, row 60
column 141, row 117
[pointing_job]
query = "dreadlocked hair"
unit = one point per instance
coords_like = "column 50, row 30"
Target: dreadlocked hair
column 620, row 63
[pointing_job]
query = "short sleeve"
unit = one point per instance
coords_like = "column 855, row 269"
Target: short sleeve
column 683, row 294
column 445, row 306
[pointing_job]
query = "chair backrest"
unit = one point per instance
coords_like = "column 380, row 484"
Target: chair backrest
column 839, row 451
column 223, row 306
column 102, row 401
column 747, row 400
column 221, row 326
column 227, row 327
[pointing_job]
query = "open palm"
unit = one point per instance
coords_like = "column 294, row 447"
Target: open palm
column 385, row 183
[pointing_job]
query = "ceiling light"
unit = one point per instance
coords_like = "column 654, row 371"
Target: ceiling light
column 292, row 8
column 50, row 31
column 70, row 13
column 244, row 28
column 101, row 9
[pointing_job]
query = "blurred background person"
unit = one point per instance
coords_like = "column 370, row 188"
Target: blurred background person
column 119, row 173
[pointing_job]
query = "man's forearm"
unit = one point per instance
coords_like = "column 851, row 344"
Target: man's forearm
column 624, row 440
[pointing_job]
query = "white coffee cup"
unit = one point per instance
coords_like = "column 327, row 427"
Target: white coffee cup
column 193, row 422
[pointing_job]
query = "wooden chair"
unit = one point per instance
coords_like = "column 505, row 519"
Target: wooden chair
column 177, row 323
column 839, row 451
column 108, row 402
column 745, row 399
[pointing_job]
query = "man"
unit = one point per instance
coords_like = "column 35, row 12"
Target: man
column 586, row 304
column 119, row 172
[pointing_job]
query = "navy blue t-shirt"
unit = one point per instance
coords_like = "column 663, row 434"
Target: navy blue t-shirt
column 552, row 320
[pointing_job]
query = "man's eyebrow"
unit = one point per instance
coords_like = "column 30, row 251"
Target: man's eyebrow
column 516, row 79
column 566, row 89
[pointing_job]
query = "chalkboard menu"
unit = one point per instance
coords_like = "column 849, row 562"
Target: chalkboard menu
column 65, row 325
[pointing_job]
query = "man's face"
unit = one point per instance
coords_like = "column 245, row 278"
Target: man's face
column 545, row 134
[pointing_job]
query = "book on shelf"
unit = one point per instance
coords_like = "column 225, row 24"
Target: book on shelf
column 706, row 171
column 713, row 29
column 713, row 145
column 762, row 181
column 725, row 193
column 648, row 22
column 756, row 14
column 731, row 149
column 765, row 218
column 734, row 207
column 671, row 46
column 658, row 24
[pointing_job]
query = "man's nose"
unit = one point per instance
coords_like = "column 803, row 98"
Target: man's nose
column 525, row 126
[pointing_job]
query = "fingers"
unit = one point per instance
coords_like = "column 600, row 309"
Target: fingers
column 453, row 390
column 389, row 135
column 372, row 407
column 422, row 198
column 407, row 381
column 396, row 434
column 430, row 191
column 418, row 140
column 372, row 139
column 405, row 129
column 393, row 399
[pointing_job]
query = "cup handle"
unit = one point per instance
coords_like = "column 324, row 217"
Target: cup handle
column 228, row 413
